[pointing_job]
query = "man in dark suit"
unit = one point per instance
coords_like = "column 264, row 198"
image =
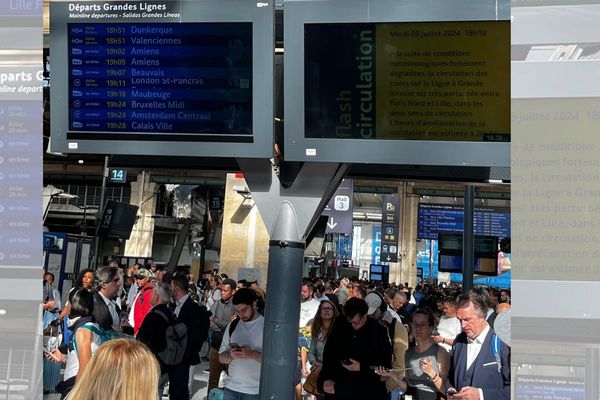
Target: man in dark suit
column 197, row 320
column 477, row 370
column 106, row 285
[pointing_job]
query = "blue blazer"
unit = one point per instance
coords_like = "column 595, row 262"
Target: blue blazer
column 484, row 371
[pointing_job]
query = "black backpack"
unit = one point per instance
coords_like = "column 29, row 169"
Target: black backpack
column 176, row 335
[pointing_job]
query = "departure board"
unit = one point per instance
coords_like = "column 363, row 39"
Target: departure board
column 489, row 221
column 164, row 77
column 162, row 80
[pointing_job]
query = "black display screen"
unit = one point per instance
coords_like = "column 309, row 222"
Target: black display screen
column 160, row 81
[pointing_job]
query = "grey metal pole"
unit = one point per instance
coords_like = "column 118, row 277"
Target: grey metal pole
column 280, row 341
column 592, row 365
column 468, row 255
column 99, row 215
column 431, row 262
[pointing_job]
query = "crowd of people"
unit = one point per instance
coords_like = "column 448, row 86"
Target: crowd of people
column 390, row 342
column 357, row 339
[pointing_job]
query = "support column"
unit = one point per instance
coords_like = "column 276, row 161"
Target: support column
column 592, row 364
column 244, row 239
column 407, row 267
column 280, row 341
column 468, row 255
column 143, row 195
column 290, row 212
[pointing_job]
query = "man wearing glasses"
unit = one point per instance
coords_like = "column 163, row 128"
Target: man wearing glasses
column 356, row 346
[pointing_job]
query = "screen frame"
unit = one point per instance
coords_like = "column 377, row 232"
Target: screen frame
column 408, row 152
column 209, row 11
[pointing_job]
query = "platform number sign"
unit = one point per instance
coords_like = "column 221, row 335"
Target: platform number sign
column 117, row 175
column 216, row 203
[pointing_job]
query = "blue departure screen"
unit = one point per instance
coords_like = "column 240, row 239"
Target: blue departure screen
column 489, row 221
column 161, row 81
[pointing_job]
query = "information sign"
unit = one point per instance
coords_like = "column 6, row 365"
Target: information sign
column 423, row 85
column 415, row 81
column 162, row 77
column 339, row 209
column 390, row 223
column 435, row 218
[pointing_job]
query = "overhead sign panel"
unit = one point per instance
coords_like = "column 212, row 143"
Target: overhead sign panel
column 166, row 77
column 402, row 85
column 339, row 209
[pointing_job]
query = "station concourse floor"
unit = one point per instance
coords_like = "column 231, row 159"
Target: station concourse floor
column 199, row 386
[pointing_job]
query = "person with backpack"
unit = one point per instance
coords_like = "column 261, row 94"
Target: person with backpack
column 153, row 333
column 480, row 366
column 241, row 348
column 85, row 340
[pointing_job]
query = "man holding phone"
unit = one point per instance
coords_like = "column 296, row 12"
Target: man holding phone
column 355, row 345
column 241, row 347
column 480, row 367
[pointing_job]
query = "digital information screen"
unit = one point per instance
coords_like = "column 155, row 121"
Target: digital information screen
column 162, row 81
column 489, row 221
column 453, row 264
column 171, row 78
column 379, row 82
column 445, row 81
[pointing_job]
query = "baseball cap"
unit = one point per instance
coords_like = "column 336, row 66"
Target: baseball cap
column 373, row 301
column 143, row 273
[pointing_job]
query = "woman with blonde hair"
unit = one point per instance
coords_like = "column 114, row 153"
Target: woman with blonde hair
column 121, row 369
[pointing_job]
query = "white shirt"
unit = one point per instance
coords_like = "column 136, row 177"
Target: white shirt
column 112, row 308
column 308, row 310
column 120, row 291
column 474, row 346
column 394, row 314
column 214, row 295
column 133, row 289
column 448, row 328
column 244, row 374
column 178, row 303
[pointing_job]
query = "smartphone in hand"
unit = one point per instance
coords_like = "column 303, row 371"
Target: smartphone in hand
column 234, row 346
column 347, row 361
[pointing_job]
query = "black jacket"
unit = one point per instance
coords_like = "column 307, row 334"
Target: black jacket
column 153, row 331
column 101, row 312
column 197, row 319
column 370, row 346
